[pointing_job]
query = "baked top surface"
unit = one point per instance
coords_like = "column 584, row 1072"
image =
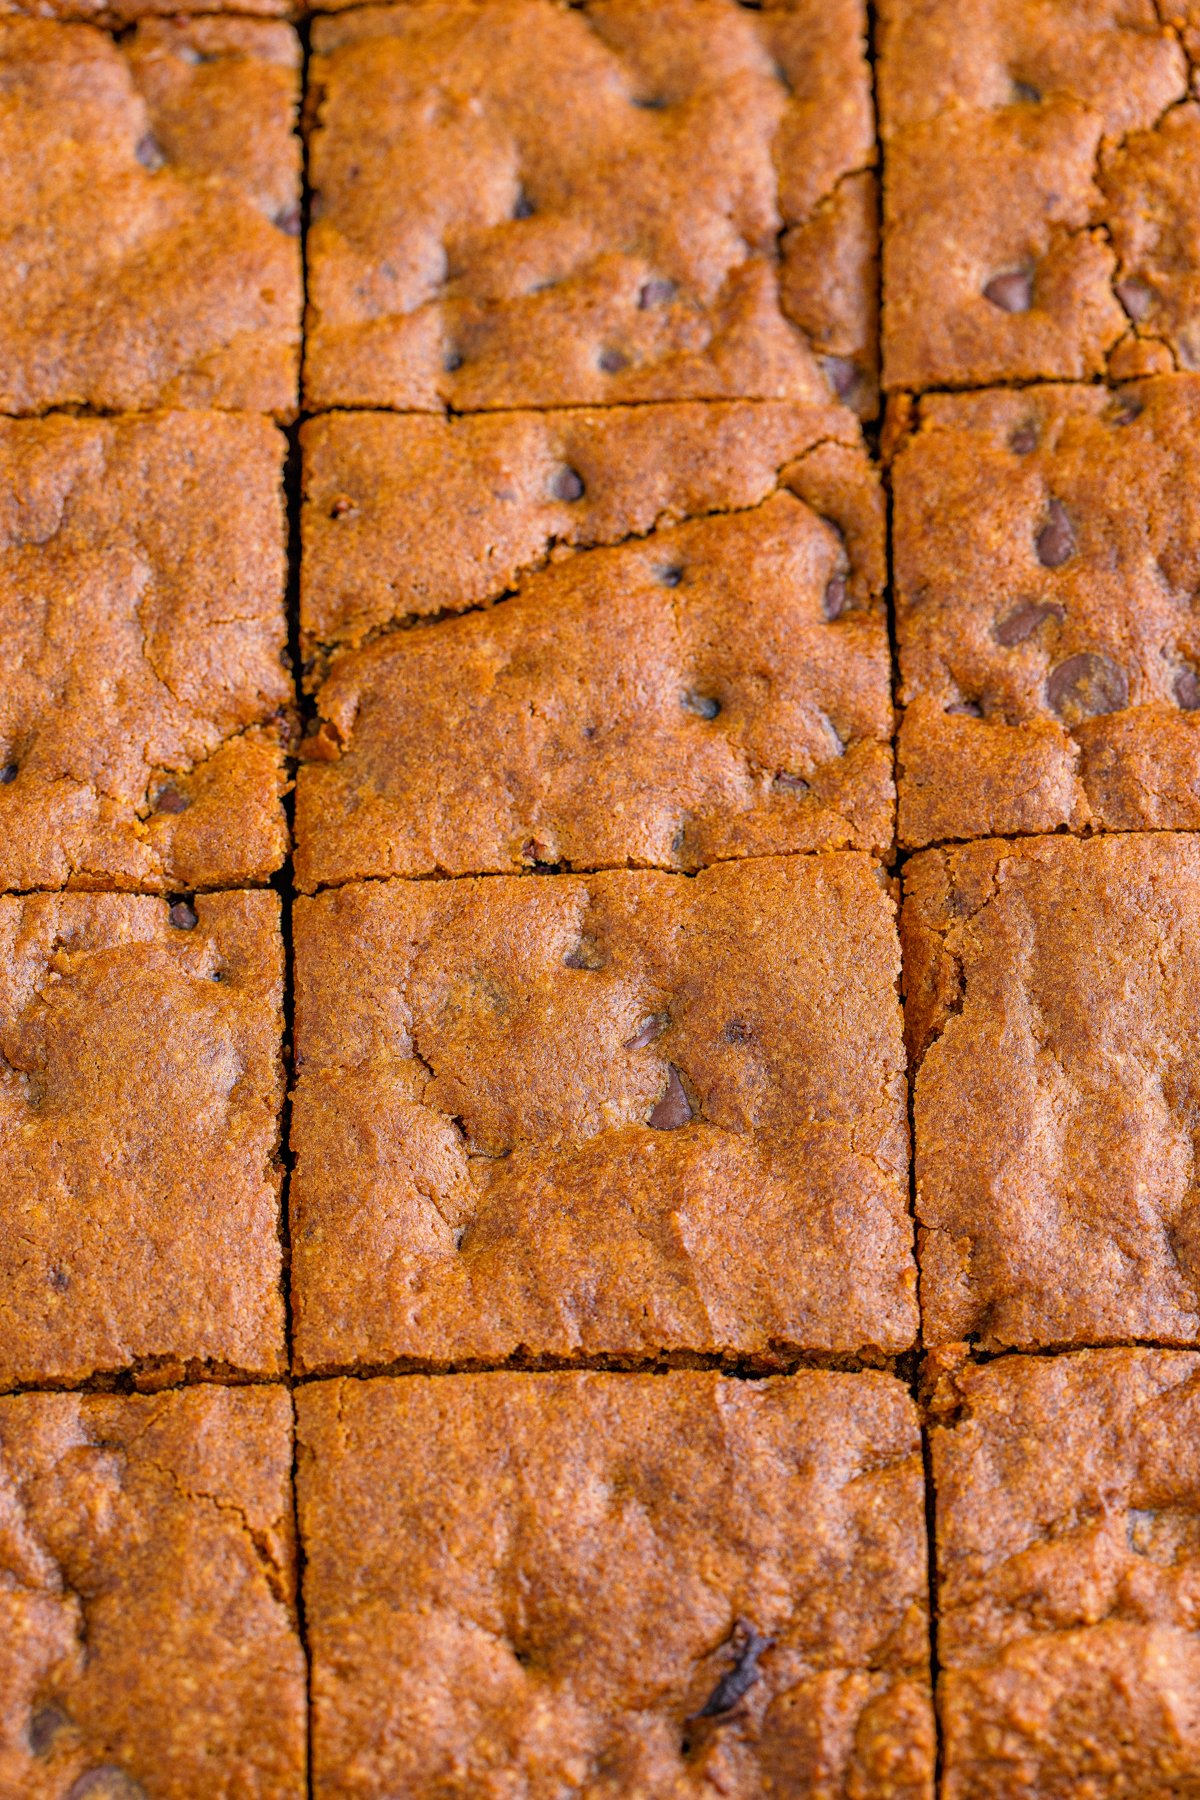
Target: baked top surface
column 1069, row 1558
column 148, row 1641
column 145, row 706
column 1046, row 558
column 613, row 1538
column 631, row 1114
column 1051, row 1000
column 149, row 248
column 697, row 222
column 690, row 661
column 140, row 1091
column 1041, row 199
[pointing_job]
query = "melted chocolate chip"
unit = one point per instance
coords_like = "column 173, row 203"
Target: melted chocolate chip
column 170, row 800
column 452, row 362
column 611, row 361
column 44, row 1727
column 1087, row 684
column 107, row 1782
column 149, row 152
column 1125, row 409
column 789, row 783
column 182, row 916
column 1135, row 297
column 655, row 292
column 1024, row 439
column 288, row 221
column 655, row 103
column 8, row 773
column 1012, row 292
column 567, row 484
column 674, row 1109
column 59, row 1280
column 587, row 954
column 841, row 374
column 523, row 207
column 747, row 1647
column 834, row 601
column 1025, row 94
column 1055, row 542
column 1023, row 621
column 1187, row 690
column 704, row 705
column 654, row 1027
column 671, row 575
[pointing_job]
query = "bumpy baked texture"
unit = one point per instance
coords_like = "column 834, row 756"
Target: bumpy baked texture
column 660, row 1585
column 140, row 1091
column 1052, row 992
column 145, row 707
column 628, row 1115
column 690, row 662
column 149, row 241
column 659, row 203
column 122, row 12
column 1042, row 191
column 148, row 1641
column 1047, row 557
column 1068, row 1541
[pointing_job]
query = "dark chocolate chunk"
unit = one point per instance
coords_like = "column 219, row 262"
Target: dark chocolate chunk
column 674, row 1109
column 8, row 773
column 1087, row 684
column 587, row 954
column 654, row 1027
column 1055, row 541
column 288, row 220
column 1012, row 292
column 1024, row 439
column 1135, row 297
column 704, row 705
column 671, row 575
column 567, row 484
column 747, row 1647
column 44, row 1727
column 789, row 783
column 149, row 152
column 107, row 1782
column 1025, row 94
column 841, row 374
column 610, row 361
column 835, row 597
column 182, row 916
column 170, row 800
column 59, row 1280
column 1187, row 690
column 1023, row 621
column 452, row 362
column 523, row 207
column 656, row 292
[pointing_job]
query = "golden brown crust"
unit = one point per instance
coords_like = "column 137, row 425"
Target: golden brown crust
column 140, row 1092
column 627, row 1115
column 145, row 707
column 690, row 662
column 693, row 223
column 149, row 248
column 1032, row 158
column 615, row 1538
column 1052, row 989
column 1069, row 1556
column 1047, row 551
column 148, row 1641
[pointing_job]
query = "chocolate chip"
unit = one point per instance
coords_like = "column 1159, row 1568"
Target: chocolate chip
column 1056, row 540
column 105, row 1783
column 452, row 362
column 702, row 704
column 790, row 784
column 44, row 1727
column 341, row 506
column 834, row 600
column 587, row 954
column 736, row 1033
column 1187, row 690
column 1135, row 297
column 611, row 361
column 674, row 1109
column 679, row 840
column 1024, row 439
column 1023, row 621
column 170, row 800
column 841, row 374
column 1087, row 684
column 1125, row 409
column 182, row 916
column 671, row 575
column 567, row 484
column 8, row 774
column 654, row 1027
column 655, row 103
column 149, row 152
column 747, row 1647
column 288, row 221
column 1025, row 94
column 523, row 207
column 969, row 709
column 656, row 292
column 1012, row 292
column 59, row 1280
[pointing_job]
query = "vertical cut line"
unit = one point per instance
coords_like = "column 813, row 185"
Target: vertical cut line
column 934, row 1662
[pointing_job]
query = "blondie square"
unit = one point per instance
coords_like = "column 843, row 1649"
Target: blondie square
column 614, row 1585
column 140, row 1093
column 149, row 240
column 1068, row 1539
column 1052, row 1000
column 635, row 1115
column 524, row 203
column 1047, row 560
column 1042, row 194
column 145, row 707
column 690, row 662
column 148, row 1641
